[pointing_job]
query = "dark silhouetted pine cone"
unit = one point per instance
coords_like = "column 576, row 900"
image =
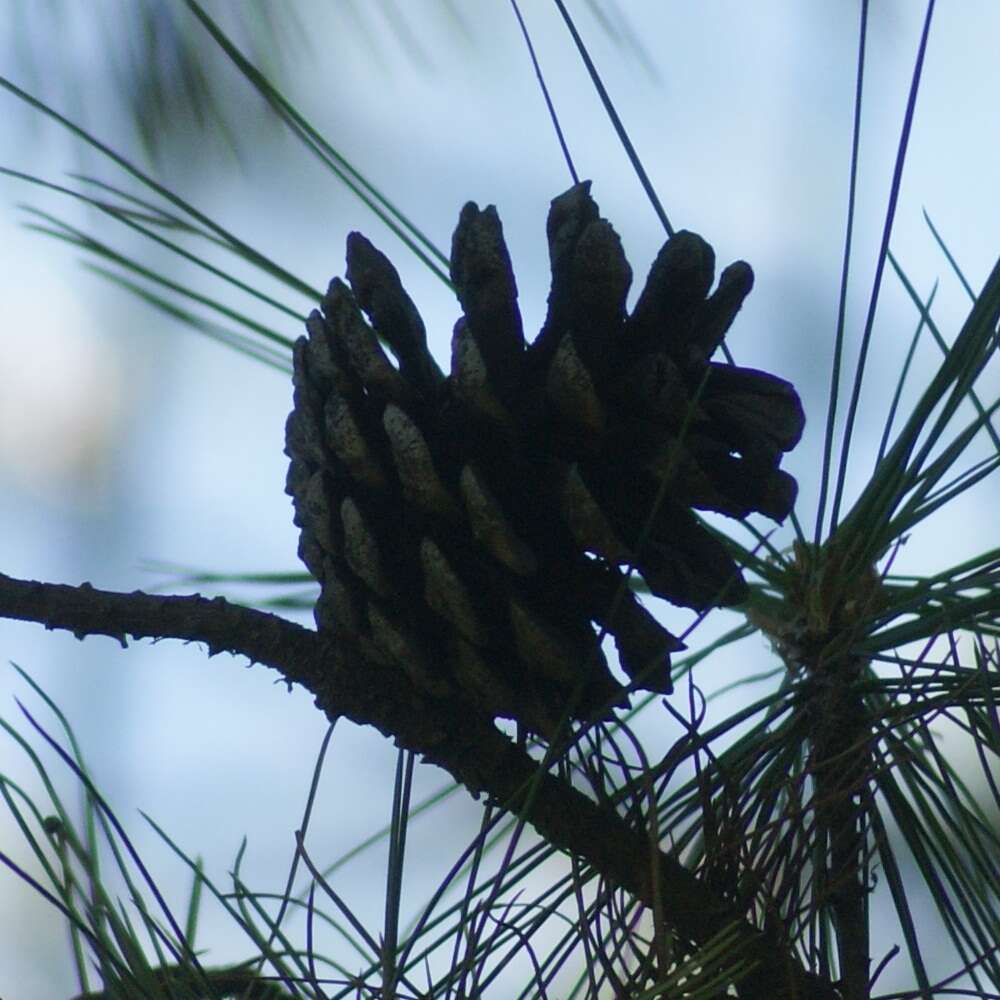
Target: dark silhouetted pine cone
column 474, row 530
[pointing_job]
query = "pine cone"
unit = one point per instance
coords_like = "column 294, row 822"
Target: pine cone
column 471, row 529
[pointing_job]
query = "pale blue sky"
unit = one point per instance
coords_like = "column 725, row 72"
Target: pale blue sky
column 123, row 438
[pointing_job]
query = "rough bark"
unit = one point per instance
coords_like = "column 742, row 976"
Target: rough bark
column 464, row 742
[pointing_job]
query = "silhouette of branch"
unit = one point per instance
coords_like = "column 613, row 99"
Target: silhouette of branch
column 452, row 734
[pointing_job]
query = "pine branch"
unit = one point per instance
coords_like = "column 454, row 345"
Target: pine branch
column 448, row 733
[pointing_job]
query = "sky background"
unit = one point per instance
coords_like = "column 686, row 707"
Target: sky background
column 125, row 438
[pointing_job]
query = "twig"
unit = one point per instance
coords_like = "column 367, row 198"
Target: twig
column 450, row 733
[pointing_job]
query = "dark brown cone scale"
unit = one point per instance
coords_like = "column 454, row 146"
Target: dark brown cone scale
column 475, row 530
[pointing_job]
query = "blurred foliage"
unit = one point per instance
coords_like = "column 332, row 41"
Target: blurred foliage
column 160, row 73
column 158, row 69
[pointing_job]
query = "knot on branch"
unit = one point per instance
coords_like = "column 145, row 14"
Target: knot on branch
column 475, row 530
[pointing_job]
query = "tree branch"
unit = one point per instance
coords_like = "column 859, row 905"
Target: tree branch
column 452, row 734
